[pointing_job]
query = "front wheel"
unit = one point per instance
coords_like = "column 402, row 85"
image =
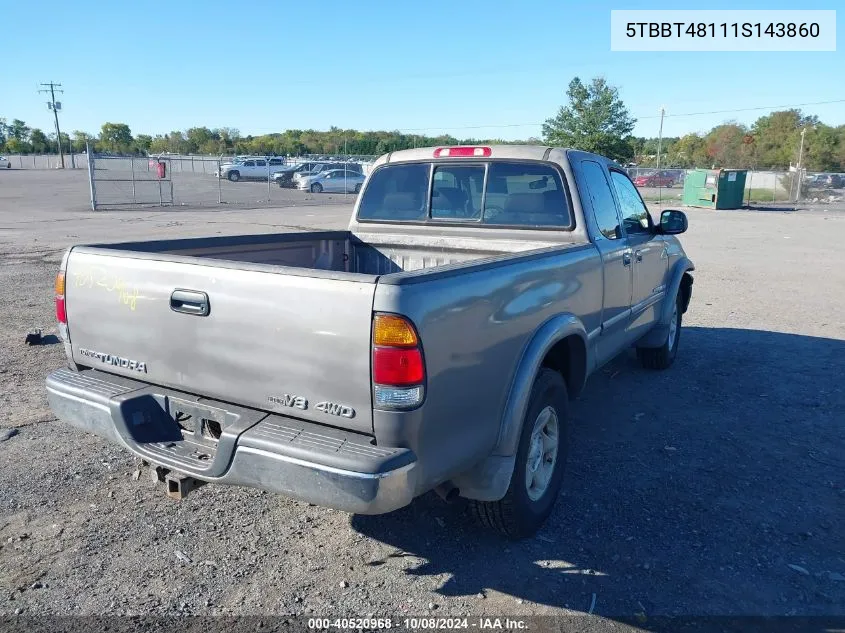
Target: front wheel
column 234, row 176
column 358, row 187
column 540, row 463
column 662, row 357
column 316, row 188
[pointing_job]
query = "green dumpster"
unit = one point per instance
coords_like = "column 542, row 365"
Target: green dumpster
column 715, row 188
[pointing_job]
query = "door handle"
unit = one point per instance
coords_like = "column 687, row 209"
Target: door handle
column 190, row 302
column 639, row 256
column 626, row 258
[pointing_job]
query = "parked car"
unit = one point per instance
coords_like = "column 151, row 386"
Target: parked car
column 332, row 181
column 657, row 179
column 251, row 168
column 435, row 344
column 825, row 181
column 288, row 177
column 4, row 163
column 284, row 177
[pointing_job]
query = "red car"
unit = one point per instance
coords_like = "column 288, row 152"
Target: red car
column 657, row 179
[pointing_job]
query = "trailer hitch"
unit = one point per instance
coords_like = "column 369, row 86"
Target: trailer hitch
column 179, row 485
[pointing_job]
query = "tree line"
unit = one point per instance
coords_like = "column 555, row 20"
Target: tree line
column 593, row 119
column 771, row 142
column 596, row 119
column 17, row 138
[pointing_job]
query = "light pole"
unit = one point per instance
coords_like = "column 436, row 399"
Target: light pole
column 798, row 169
column 660, row 135
column 659, row 147
column 55, row 106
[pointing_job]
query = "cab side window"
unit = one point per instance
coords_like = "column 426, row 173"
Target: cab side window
column 601, row 198
column 635, row 216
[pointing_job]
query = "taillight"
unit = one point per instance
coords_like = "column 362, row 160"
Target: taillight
column 398, row 365
column 61, row 313
column 462, row 152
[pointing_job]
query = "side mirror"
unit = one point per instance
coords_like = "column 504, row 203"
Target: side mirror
column 673, row 222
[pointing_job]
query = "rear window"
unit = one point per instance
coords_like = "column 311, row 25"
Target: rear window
column 518, row 194
column 396, row 193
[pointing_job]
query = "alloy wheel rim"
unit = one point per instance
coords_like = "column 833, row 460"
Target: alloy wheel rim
column 542, row 453
column 673, row 327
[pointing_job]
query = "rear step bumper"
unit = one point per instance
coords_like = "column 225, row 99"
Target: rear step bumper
column 223, row 443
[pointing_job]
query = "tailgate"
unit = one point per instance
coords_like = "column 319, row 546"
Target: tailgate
column 298, row 345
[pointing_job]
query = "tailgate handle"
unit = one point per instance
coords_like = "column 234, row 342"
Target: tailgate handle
column 189, row 302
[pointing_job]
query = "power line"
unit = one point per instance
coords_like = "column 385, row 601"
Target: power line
column 794, row 105
column 55, row 107
column 681, row 114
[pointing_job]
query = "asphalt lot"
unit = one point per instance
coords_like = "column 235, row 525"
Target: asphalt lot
column 715, row 487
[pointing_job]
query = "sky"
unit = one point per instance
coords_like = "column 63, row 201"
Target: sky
column 471, row 68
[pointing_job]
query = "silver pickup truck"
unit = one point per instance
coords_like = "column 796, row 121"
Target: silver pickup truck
column 435, row 344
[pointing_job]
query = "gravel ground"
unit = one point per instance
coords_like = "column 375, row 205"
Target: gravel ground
column 715, row 487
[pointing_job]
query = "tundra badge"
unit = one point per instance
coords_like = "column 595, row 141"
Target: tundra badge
column 117, row 361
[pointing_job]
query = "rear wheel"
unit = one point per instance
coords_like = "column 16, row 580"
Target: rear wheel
column 662, row 357
column 358, row 187
column 540, row 462
column 316, row 188
column 234, row 176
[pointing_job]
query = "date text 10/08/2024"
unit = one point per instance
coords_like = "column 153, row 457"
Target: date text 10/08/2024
column 423, row 623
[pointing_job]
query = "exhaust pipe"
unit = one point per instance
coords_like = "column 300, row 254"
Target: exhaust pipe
column 179, row 485
column 447, row 491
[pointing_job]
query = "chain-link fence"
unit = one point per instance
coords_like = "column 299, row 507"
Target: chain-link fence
column 236, row 180
column 761, row 187
column 117, row 181
column 199, row 181
column 47, row 161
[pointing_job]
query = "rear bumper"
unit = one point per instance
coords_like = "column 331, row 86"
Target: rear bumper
column 302, row 460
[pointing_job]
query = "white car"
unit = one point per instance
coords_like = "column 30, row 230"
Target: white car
column 251, row 168
column 4, row 163
column 334, row 180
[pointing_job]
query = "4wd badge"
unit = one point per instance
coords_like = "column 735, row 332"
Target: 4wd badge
column 332, row 408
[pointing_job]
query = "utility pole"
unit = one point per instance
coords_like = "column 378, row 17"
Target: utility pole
column 798, row 170
column 660, row 135
column 55, row 107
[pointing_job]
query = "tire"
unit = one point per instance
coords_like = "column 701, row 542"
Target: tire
column 662, row 357
column 234, row 176
column 358, row 187
column 526, row 506
column 316, row 188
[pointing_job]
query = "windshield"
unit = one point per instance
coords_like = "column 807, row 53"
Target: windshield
column 504, row 193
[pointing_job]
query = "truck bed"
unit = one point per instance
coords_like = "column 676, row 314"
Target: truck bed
column 338, row 251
